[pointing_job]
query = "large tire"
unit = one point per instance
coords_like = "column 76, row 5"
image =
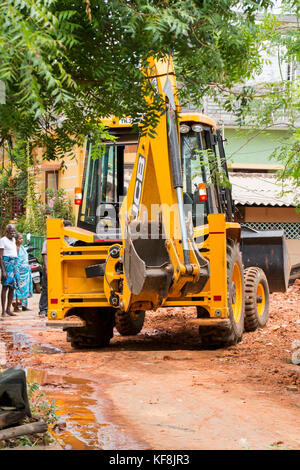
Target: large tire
column 257, row 299
column 218, row 336
column 202, row 312
column 129, row 323
column 97, row 332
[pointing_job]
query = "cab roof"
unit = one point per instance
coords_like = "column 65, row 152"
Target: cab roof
column 197, row 117
column 115, row 122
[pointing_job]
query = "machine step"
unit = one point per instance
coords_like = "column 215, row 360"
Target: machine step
column 71, row 322
column 210, row 321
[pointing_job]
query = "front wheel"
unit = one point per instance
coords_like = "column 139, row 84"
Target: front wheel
column 220, row 336
column 98, row 330
column 257, row 299
column 129, row 323
column 236, row 291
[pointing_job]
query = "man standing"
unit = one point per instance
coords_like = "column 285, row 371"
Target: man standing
column 9, row 269
column 43, row 304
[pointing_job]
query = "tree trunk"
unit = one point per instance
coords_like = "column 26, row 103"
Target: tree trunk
column 8, row 418
column 32, row 428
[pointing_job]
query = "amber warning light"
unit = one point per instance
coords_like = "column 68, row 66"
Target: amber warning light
column 202, row 192
column 78, row 196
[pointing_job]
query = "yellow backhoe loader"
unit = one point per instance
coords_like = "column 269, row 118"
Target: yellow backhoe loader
column 160, row 232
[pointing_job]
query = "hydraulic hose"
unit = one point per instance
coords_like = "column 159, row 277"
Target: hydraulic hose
column 176, row 169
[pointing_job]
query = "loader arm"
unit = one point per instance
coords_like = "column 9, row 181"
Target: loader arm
column 159, row 255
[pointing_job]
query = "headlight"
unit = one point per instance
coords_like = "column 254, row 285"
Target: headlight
column 184, row 129
column 197, row 128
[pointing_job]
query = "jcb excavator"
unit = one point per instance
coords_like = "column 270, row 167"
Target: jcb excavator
column 160, row 233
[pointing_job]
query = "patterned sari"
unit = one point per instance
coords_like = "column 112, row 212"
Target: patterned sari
column 24, row 290
column 12, row 272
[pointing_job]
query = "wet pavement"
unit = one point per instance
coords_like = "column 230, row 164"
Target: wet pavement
column 160, row 390
column 80, row 426
column 79, row 407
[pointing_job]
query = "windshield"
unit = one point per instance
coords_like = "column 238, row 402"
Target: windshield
column 193, row 170
column 105, row 183
column 87, row 212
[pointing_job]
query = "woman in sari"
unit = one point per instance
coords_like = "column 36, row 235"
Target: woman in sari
column 25, row 286
column 9, row 269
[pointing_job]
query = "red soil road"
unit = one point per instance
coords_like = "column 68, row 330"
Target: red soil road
column 165, row 392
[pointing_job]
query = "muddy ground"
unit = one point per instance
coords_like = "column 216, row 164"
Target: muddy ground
column 159, row 390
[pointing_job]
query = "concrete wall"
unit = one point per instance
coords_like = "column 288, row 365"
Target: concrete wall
column 239, row 148
column 294, row 251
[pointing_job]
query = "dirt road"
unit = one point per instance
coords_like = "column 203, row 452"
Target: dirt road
column 160, row 390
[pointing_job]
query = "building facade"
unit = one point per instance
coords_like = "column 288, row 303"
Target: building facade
column 258, row 194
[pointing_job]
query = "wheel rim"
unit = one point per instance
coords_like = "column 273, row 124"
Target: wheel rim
column 236, row 293
column 260, row 299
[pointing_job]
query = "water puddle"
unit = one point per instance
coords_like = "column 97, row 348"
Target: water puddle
column 79, row 427
column 81, row 424
column 20, row 339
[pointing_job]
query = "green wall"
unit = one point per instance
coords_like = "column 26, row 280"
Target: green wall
column 239, row 149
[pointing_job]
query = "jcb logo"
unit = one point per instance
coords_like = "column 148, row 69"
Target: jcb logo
column 138, row 185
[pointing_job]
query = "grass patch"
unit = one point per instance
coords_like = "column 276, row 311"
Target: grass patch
column 41, row 409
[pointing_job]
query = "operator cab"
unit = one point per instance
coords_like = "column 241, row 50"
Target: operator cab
column 106, row 177
column 205, row 176
column 105, row 183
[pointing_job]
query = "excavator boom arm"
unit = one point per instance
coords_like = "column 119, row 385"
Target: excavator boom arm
column 158, row 254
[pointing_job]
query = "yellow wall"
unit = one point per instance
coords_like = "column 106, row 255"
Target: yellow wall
column 69, row 175
column 5, row 162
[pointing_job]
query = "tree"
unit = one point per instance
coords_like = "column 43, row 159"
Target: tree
column 277, row 102
column 66, row 63
column 284, row 97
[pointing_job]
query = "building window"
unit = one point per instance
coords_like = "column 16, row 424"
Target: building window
column 51, row 182
column 291, row 71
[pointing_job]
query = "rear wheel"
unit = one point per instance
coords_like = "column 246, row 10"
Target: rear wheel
column 98, row 330
column 202, row 312
column 257, row 299
column 225, row 335
column 129, row 323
